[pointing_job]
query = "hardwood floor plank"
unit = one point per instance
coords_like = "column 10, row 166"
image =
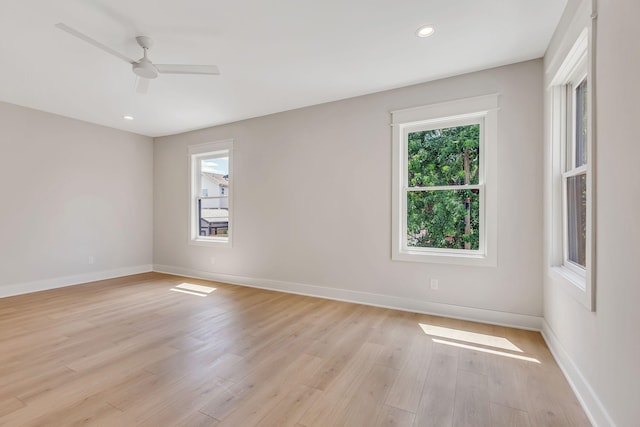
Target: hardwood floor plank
column 9, row 405
column 472, row 407
column 40, row 379
column 289, row 410
column 257, row 402
column 544, row 408
column 365, row 407
column 507, row 382
column 197, row 419
column 82, row 412
column 394, row 417
column 437, row 401
column 224, row 399
column 396, row 333
column 187, row 396
column 407, row 389
column 333, row 403
column 503, row 416
column 473, row 361
column 344, row 350
column 272, row 405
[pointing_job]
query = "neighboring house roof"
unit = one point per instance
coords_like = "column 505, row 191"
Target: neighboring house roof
column 215, row 215
column 216, row 178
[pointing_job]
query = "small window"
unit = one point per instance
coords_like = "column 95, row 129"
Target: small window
column 444, row 193
column 210, row 195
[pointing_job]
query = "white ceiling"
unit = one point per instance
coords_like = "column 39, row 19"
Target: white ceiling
column 273, row 55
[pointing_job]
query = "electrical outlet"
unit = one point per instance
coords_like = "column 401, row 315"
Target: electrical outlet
column 212, row 260
column 434, row 284
column 91, row 260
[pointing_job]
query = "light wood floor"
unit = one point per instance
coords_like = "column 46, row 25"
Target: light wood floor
column 135, row 351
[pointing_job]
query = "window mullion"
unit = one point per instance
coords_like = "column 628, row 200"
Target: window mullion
column 575, row 172
column 446, row 187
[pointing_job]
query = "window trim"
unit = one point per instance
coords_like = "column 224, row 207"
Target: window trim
column 577, row 65
column 195, row 154
column 446, row 114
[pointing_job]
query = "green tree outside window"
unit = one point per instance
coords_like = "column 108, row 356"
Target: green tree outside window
column 443, row 217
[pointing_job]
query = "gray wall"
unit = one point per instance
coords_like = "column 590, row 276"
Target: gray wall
column 601, row 350
column 71, row 190
column 313, row 201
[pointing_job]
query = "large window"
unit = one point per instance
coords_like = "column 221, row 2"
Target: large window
column 572, row 173
column 444, row 193
column 210, row 167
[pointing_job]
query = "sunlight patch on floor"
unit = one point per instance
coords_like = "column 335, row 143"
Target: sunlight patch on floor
column 182, row 291
column 471, row 337
column 486, row 350
column 196, row 288
column 191, row 289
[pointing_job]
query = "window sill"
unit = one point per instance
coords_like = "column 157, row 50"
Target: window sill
column 477, row 260
column 574, row 284
column 570, row 277
column 211, row 242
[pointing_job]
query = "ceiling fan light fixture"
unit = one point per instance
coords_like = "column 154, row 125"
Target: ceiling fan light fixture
column 425, row 31
column 145, row 69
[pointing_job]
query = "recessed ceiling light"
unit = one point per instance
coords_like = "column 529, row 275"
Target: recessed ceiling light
column 127, row 117
column 425, row 31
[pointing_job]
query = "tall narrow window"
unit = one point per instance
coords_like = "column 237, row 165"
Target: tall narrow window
column 210, row 195
column 444, row 193
column 575, row 178
column 572, row 174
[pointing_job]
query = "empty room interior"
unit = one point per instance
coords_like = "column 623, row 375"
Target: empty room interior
column 296, row 213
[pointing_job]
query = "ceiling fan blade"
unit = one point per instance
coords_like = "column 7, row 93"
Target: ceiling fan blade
column 93, row 42
column 143, row 85
column 187, row 69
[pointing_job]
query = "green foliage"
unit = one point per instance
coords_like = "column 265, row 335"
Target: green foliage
column 437, row 218
column 436, row 157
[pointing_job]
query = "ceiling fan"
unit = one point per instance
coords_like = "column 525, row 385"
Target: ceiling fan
column 143, row 67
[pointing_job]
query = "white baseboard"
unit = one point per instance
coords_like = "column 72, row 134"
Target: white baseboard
column 387, row 301
column 76, row 279
column 590, row 402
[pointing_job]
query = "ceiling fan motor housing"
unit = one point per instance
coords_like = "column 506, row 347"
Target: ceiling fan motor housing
column 144, row 68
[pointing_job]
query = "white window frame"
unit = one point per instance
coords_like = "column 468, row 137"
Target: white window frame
column 579, row 282
column 197, row 153
column 481, row 110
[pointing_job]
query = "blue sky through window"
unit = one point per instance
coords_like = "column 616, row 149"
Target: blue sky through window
column 219, row 165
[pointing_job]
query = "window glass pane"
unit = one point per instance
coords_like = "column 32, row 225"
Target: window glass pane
column 214, row 222
column 213, row 205
column 577, row 219
column 581, row 124
column 443, row 219
column 215, row 165
column 447, row 156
